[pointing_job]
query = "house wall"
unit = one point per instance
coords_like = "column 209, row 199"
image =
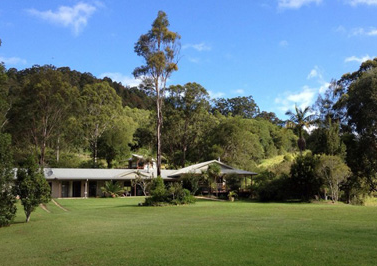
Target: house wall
column 99, row 185
column 55, row 189
column 83, row 188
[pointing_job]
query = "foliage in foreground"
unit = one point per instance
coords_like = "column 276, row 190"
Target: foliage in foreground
column 32, row 187
column 174, row 195
column 7, row 198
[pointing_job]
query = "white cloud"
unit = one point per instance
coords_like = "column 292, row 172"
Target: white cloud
column 199, row 47
column 313, row 73
column 341, row 29
column 302, row 99
column 296, row 4
column 75, row 17
column 213, row 94
column 124, row 79
column 317, row 73
column 195, row 60
column 13, row 60
column 362, row 2
column 357, row 59
column 372, row 32
column 239, row 91
column 363, row 32
column 306, row 96
column 324, row 87
column 357, row 31
column 283, row 43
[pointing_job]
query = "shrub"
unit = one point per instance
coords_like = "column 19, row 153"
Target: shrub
column 277, row 189
column 160, row 196
column 305, row 182
column 158, row 190
column 232, row 195
column 288, row 158
column 183, row 197
column 111, row 189
column 32, row 187
column 7, row 199
column 191, row 182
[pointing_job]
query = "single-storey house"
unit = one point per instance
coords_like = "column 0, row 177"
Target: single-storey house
column 78, row 182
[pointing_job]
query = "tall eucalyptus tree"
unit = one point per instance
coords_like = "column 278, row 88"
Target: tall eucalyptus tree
column 159, row 48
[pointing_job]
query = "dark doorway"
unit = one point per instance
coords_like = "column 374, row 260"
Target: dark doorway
column 76, row 189
column 50, row 184
column 65, row 189
column 92, row 188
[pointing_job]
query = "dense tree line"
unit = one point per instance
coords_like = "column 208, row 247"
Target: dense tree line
column 342, row 162
column 62, row 115
column 72, row 119
column 55, row 112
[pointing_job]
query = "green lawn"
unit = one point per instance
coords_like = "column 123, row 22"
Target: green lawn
column 117, row 232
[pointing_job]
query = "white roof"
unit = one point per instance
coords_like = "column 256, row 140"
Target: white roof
column 96, row 174
column 202, row 167
column 138, row 157
column 129, row 174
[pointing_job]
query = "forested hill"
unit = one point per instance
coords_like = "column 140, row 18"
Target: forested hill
column 70, row 119
column 131, row 96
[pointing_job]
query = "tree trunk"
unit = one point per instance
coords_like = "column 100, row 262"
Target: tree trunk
column 27, row 213
column 109, row 163
column 43, row 151
column 159, row 123
column 184, row 148
column 58, row 150
column 95, row 147
column 184, row 156
column 301, row 143
column 94, row 153
column 217, row 188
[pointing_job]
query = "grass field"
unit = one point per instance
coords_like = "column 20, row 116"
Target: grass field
column 117, row 232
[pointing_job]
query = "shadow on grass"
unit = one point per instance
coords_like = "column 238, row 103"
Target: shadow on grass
column 19, row 222
column 126, row 206
column 293, row 201
column 248, row 200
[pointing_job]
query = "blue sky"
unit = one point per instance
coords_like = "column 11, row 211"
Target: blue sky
column 282, row 52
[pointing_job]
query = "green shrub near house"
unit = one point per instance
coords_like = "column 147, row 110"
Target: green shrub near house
column 113, row 190
column 174, row 195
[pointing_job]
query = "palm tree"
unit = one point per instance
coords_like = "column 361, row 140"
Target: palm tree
column 112, row 189
column 211, row 177
column 299, row 120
